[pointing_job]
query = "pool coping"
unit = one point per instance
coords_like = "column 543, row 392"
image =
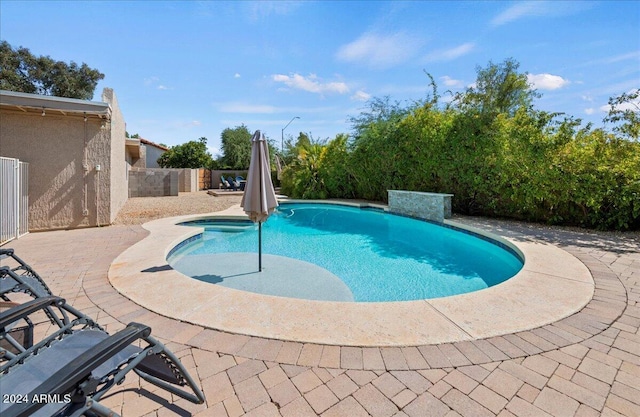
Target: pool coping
column 552, row 285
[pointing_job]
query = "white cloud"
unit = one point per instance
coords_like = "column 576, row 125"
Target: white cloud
column 634, row 55
column 623, row 57
column 311, row 84
column 518, row 11
column 181, row 124
column 151, row 80
column 539, row 8
column 547, row 81
column 450, row 82
column 451, row 53
column 250, row 108
column 246, row 108
column 380, row 51
column 155, row 82
column 631, row 105
column 360, row 96
column 590, row 110
column 236, row 75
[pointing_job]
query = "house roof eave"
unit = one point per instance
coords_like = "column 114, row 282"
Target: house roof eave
column 27, row 101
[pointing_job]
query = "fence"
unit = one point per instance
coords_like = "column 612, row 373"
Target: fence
column 14, row 199
column 204, row 179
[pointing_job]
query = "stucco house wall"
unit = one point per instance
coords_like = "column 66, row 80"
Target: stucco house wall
column 64, row 148
column 153, row 151
column 118, row 186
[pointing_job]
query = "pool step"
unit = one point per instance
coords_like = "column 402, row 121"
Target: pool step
column 229, row 228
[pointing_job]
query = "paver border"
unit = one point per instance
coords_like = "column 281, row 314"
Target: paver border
column 415, row 320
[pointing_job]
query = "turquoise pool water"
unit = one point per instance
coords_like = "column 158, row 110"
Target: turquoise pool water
column 378, row 256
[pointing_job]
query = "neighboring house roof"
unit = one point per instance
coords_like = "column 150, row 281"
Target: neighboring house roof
column 148, row 142
column 62, row 105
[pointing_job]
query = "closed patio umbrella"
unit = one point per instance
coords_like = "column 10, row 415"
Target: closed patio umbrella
column 259, row 198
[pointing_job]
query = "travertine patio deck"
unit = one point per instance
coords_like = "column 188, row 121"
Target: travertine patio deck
column 552, row 285
column 585, row 364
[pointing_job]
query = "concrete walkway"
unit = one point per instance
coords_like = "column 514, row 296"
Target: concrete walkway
column 587, row 364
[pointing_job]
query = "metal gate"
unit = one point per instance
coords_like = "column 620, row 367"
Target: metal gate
column 14, row 199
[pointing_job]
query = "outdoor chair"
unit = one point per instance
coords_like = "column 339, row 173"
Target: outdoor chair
column 24, row 280
column 227, row 184
column 69, row 371
column 241, row 181
column 18, row 339
column 234, row 183
column 32, row 283
column 20, row 278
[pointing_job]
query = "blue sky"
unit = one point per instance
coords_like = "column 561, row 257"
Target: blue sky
column 182, row 70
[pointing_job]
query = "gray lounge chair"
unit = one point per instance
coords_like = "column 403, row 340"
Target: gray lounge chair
column 31, row 282
column 74, row 367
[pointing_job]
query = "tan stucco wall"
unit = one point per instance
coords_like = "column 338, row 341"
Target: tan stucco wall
column 188, row 180
column 118, row 190
column 63, row 151
column 59, row 187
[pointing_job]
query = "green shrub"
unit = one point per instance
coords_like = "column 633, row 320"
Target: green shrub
column 508, row 160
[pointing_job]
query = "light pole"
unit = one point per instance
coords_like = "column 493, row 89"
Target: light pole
column 282, row 137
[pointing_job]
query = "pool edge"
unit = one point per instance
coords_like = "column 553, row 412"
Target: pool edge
column 409, row 323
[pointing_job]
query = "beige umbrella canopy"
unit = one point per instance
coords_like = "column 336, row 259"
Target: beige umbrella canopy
column 259, row 198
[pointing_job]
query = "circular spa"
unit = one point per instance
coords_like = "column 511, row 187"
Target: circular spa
column 332, row 252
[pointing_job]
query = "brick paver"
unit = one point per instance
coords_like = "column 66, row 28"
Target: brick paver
column 587, row 364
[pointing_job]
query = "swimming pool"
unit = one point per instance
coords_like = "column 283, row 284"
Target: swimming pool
column 373, row 255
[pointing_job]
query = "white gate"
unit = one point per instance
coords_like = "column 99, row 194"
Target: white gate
column 14, row 199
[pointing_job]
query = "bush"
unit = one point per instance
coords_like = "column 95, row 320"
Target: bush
column 512, row 162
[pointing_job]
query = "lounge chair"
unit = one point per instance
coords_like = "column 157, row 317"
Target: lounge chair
column 18, row 339
column 23, row 279
column 234, row 183
column 228, row 183
column 74, row 367
column 241, row 181
column 32, row 283
column 17, row 277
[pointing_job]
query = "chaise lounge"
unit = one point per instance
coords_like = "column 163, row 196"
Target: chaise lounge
column 69, row 371
column 76, row 361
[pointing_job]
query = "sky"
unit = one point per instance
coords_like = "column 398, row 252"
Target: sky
column 188, row 69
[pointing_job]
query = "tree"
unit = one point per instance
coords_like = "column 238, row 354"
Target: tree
column 21, row 71
column 291, row 149
column 192, row 154
column 499, row 88
column 236, row 148
column 625, row 109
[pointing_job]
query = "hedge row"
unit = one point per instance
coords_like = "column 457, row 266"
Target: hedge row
column 522, row 166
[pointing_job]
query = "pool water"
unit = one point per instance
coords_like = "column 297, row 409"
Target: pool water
column 377, row 255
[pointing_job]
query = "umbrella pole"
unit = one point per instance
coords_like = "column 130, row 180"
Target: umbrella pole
column 260, row 223
column 259, row 246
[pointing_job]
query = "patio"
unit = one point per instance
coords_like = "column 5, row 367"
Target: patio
column 585, row 364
